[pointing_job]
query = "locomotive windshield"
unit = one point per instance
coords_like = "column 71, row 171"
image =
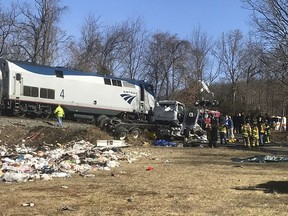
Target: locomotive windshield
column 149, row 88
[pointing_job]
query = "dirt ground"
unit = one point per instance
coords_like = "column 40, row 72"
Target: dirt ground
column 164, row 181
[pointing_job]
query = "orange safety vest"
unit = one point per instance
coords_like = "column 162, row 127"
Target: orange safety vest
column 262, row 128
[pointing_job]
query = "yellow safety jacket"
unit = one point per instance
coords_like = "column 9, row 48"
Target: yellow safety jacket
column 255, row 132
column 267, row 129
column 59, row 111
column 246, row 130
column 222, row 129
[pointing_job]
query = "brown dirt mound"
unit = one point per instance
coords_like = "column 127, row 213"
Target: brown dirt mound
column 50, row 135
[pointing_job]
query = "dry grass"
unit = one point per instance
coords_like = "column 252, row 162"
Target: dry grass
column 184, row 181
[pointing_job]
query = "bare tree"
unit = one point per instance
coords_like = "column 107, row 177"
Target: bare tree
column 199, row 63
column 164, row 58
column 38, row 36
column 7, row 22
column 84, row 53
column 253, row 71
column 99, row 49
column 271, row 21
column 230, row 53
column 201, row 46
column 132, row 54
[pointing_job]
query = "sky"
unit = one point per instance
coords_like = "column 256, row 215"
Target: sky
column 174, row 16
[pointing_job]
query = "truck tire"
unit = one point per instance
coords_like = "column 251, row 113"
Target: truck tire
column 121, row 133
column 134, row 132
column 103, row 122
column 98, row 119
column 115, row 121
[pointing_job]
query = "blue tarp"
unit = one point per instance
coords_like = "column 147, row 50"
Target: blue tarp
column 164, row 143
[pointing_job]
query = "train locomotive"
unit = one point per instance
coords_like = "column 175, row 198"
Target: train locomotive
column 35, row 90
column 121, row 106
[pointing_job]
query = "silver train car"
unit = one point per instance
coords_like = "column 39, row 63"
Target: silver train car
column 35, row 90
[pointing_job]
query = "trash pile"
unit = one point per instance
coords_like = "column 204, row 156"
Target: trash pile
column 22, row 163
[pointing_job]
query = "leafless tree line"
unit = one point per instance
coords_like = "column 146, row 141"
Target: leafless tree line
column 246, row 72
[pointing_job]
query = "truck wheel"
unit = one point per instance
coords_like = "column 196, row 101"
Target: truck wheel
column 134, row 132
column 103, row 122
column 115, row 121
column 121, row 133
column 98, row 119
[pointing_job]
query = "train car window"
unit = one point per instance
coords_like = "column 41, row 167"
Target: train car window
column 149, row 88
column 34, row 91
column 116, row 83
column 26, row 91
column 18, row 76
column 47, row 93
column 30, row 91
column 43, row 93
column 51, row 93
column 119, row 83
column 59, row 74
column 127, row 84
column 107, row 81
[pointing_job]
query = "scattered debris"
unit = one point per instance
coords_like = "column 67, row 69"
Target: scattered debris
column 111, row 143
column 149, row 168
column 22, row 163
column 115, row 174
column 130, row 199
column 28, row 204
column 261, row 159
column 68, row 208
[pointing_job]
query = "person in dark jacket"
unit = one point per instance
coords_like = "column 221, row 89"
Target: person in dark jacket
column 213, row 134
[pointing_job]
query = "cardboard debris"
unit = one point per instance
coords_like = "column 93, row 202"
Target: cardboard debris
column 111, row 143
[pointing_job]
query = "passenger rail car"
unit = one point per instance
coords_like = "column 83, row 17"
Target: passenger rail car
column 27, row 88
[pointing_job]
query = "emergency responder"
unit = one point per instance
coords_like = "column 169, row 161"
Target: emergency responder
column 246, row 133
column 208, row 126
column 255, row 135
column 230, row 129
column 267, row 132
column 59, row 112
column 213, row 134
column 223, row 133
column 261, row 128
column 150, row 116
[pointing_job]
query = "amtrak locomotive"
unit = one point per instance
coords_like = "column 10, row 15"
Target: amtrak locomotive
column 35, row 90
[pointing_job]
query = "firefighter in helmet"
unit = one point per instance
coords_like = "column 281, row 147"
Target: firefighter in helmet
column 267, row 132
column 223, row 133
column 261, row 128
column 246, row 133
column 255, row 135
